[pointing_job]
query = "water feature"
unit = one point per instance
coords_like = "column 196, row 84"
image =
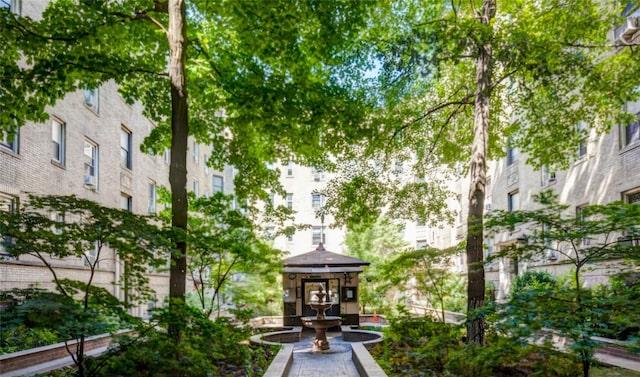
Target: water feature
column 321, row 322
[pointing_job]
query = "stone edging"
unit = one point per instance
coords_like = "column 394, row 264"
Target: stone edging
column 281, row 363
column 26, row 358
column 365, row 363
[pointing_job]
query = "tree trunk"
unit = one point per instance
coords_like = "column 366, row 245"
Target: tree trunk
column 477, row 189
column 178, row 168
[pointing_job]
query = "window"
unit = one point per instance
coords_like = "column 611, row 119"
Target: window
column 13, row 5
column 317, row 201
column 91, row 99
column 318, row 175
column 550, row 253
column 90, row 165
column 317, row 235
column 270, row 233
column 290, row 238
column 398, row 167
column 548, row 177
column 582, row 145
column 513, row 201
column 421, row 244
column 8, row 204
column 58, row 218
column 632, row 132
column 10, row 142
column 459, row 212
column 488, row 244
column 91, row 256
column 152, row 197
column 57, row 138
column 218, row 184
column 125, row 148
column 196, row 152
column 512, row 153
column 290, row 200
column 632, row 198
column 126, row 202
column 290, row 169
column 196, row 188
column 581, row 218
column 205, row 160
column 166, row 156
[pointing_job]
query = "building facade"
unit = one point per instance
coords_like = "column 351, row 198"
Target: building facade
column 89, row 147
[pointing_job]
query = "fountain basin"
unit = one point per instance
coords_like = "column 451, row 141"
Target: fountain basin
column 314, row 322
column 320, row 343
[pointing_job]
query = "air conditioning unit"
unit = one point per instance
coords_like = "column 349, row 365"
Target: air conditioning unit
column 90, row 181
column 628, row 31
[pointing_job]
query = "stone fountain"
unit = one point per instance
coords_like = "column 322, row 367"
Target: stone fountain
column 320, row 323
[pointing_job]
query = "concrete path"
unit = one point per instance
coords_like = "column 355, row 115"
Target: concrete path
column 334, row 362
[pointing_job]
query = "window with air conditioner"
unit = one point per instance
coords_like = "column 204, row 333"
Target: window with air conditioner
column 58, row 141
column 90, row 155
column 92, row 100
column 629, row 30
column 547, row 176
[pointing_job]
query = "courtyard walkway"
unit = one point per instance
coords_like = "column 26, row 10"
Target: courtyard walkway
column 334, row 362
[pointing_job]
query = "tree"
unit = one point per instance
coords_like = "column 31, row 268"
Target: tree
column 222, row 242
column 600, row 234
column 86, row 232
column 429, row 272
column 461, row 80
column 374, row 244
column 259, row 80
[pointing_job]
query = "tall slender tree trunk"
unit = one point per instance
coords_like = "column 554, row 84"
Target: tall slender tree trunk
column 477, row 189
column 178, row 168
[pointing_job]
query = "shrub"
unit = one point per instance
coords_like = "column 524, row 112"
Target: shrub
column 207, row 348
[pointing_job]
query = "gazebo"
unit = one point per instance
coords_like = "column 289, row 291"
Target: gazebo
column 337, row 273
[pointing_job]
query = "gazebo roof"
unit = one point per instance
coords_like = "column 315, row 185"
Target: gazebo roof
column 320, row 257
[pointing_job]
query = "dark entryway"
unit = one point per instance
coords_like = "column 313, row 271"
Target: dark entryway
column 311, row 286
